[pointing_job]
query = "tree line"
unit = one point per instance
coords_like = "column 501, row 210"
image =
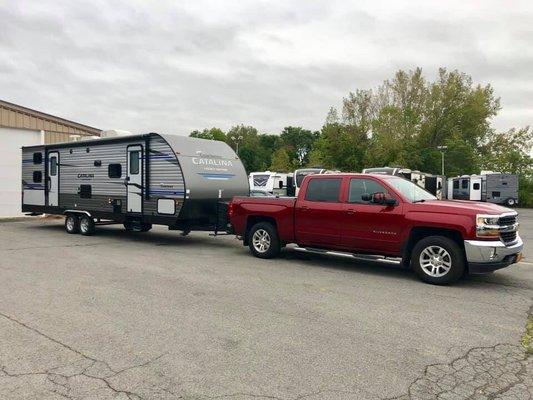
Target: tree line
column 402, row 122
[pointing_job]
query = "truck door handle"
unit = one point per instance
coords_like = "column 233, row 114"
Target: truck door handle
column 304, row 208
column 350, row 211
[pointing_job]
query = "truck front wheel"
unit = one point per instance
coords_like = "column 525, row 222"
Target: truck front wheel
column 438, row 260
column 264, row 241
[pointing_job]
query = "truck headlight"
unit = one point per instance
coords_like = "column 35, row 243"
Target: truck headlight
column 487, row 225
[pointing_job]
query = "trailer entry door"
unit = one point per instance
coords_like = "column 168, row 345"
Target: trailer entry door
column 134, row 179
column 53, row 179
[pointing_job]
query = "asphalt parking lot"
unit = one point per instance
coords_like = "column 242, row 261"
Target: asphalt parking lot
column 124, row 315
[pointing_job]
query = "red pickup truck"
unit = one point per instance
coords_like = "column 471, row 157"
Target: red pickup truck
column 382, row 215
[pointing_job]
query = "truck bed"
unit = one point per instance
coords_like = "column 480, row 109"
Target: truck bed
column 280, row 209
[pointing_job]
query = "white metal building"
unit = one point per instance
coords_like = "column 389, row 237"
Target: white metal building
column 21, row 126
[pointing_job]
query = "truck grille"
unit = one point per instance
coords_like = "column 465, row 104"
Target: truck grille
column 508, row 236
column 507, row 220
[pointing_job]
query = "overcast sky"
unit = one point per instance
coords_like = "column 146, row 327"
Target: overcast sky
column 176, row 66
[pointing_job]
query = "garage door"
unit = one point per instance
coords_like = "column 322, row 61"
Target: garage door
column 11, row 140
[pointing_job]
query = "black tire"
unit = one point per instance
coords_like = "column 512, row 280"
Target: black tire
column 86, row 225
column 145, row 227
column 510, row 202
column 266, row 234
column 440, row 267
column 72, row 224
column 128, row 226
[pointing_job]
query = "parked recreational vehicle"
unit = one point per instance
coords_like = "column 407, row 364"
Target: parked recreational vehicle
column 396, row 171
column 435, row 184
column 300, row 174
column 491, row 187
column 136, row 180
column 432, row 183
column 277, row 183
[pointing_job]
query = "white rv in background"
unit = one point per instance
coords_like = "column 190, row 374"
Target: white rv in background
column 492, row 187
column 277, row 183
column 435, row 184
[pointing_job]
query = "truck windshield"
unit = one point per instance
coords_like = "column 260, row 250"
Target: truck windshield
column 409, row 190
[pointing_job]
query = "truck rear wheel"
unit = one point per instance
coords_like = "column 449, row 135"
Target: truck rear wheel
column 264, row 241
column 438, row 260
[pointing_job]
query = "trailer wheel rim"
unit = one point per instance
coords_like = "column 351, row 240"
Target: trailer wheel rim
column 435, row 261
column 84, row 225
column 261, row 241
column 70, row 223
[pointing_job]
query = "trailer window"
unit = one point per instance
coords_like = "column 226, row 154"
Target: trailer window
column 134, row 162
column 496, row 194
column 325, row 190
column 456, row 184
column 53, row 166
column 37, row 158
column 114, row 170
column 37, row 176
column 464, row 184
column 476, row 186
column 85, row 191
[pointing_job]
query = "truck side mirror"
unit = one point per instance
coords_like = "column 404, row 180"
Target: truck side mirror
column 366, row 197
column 382, row 198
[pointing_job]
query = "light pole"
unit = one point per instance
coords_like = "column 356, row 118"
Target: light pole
column 236, row 140
column 442, row 148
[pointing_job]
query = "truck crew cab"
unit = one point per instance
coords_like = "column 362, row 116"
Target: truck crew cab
column 382, row 215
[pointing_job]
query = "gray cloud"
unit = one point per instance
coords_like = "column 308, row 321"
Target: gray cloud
column 174, row 67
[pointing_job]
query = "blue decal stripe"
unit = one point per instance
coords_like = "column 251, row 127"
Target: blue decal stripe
column 215, row 175
column 176, row 192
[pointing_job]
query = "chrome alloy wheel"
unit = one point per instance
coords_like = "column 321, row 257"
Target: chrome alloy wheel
column 261, row 241
column 71, row 223
column 84, row 225
column 435, row 261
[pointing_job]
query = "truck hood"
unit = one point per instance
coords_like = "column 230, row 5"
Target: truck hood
column 459, row 207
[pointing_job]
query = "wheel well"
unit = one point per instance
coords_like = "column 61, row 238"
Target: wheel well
column 254, row 219
column 419, row 233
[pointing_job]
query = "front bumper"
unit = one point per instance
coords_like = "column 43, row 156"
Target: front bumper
column 486, row 256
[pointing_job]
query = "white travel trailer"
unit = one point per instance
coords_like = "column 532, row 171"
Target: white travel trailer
column 137, row 180
column 277, row 183
column 300, row 174
column 492, row 187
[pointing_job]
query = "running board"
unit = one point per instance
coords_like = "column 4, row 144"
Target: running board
column 362, row 257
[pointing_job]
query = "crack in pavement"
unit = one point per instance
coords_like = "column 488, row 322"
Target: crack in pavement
column 54, row 246
column 61, row 380
column 501, row 371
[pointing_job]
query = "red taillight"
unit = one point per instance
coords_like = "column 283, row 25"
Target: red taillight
column 230, row 210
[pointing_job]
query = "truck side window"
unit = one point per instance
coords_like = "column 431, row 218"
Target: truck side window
column 325, row 190
column 359, row 187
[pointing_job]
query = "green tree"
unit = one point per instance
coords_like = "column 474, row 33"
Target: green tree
column 245, row 141
column 211, row 134
column 298, row 142
column 281, row 161
column 509, row 152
